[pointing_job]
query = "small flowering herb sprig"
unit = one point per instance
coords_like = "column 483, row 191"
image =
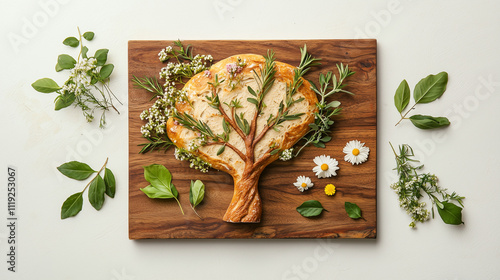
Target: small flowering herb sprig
column 88, row 84
column 182, row 67
column 319, row 132
column 412, row 186
column 233, row 69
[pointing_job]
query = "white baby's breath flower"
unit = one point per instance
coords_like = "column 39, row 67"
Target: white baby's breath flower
column 303, row 183
column 325, row 166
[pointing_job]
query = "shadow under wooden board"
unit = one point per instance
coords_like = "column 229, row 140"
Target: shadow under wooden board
column 159, row 218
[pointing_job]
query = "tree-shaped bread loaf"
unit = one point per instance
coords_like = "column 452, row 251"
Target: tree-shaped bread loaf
column 239, row 115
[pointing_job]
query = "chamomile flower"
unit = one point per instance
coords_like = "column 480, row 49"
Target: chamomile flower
column 303, row 183
column 325, row 166
column 330, row 189
column 356, row 152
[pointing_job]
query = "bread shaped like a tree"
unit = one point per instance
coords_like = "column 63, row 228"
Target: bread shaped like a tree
column 239, row 115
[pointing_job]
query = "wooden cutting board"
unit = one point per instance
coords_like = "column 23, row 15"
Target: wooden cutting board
column 157, row 218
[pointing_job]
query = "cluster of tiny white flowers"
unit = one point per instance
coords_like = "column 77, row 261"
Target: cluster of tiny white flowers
column 156, row 117
column 195, row 162
column 79, row 80
column 163, row 54
column 409, row 196
column 286, row 154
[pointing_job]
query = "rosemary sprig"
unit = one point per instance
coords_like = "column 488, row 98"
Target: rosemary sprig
column 329, row 84
column 150, row 84
column 155, row 143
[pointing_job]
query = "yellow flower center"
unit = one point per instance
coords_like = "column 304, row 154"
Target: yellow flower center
column 324, row 167
column 355, row 152
column 303, row 185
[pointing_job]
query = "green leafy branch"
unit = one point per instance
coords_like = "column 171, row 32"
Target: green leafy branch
column 426, row 90
column 87, row 74
column 329, row 84
column 161, row 142
column 160, row 181
column 150, row 84
column 98, row 186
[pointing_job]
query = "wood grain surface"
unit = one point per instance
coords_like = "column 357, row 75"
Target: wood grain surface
column 157, row 218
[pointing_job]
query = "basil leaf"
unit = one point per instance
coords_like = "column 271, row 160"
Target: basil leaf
column 71, row 41
column 352, row 210
column 45, row 85
column 64, row 100
column 430, row 88
column 109, row 181
column 101, row 56
column 402, row 96
column 76, row 170
column 96, row 192
column 66, row 61
column 88, row 35
column 160, row 179
column 196, row 193
column 72, row 205
column 106, row 71
column 429, row 122
column 310, row 208
column 85, row 50
column 450, row 214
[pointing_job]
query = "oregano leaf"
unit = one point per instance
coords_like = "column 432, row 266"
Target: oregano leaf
column 430, row 88
column 402, row 96
column 58, row 68
column 310, row 208
column 76, row 170
column 97, row 189
column 72, row 205
column 45, row 85
column 72, row 42
column 66, row 61
column 101, row 56
column 85, row 50
column 106, row 71
column 352, row 210
column 89, row 35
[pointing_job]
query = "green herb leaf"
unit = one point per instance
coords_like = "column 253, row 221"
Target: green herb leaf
column 85, row 50
column 66, row 61
column 64, row 100
column 253, row 101
column 71, row 41
column 429, row 122
column 72, row 205
column 430, row 88
column 333, row 104
column 353, row 210
column 196, row 193
column 450, row 213
column 402, row 96
column 96, row 192
column 45, row 85
column 160, row 179
column 58, row 67
column 109, row 181
column 101, row 56
column 275, row 151
column 106, row 71
column 310, row 208
column 88, row 35
column 76, row 170
column 221, row 149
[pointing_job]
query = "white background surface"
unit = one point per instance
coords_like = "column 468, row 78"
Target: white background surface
column 415, row 38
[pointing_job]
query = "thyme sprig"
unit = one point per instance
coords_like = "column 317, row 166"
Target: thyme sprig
column 412, row 186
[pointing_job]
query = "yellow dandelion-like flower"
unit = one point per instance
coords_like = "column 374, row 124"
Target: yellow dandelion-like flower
column 330, row 189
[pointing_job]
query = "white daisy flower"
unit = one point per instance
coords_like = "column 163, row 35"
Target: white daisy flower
column 303, row 183
column 356, row 152
column 325, row 166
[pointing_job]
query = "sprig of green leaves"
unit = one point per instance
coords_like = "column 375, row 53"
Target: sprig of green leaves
column 427, row 90
column 87, row 74
column 98, row 186
column 412, row 185
column 160, row 181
